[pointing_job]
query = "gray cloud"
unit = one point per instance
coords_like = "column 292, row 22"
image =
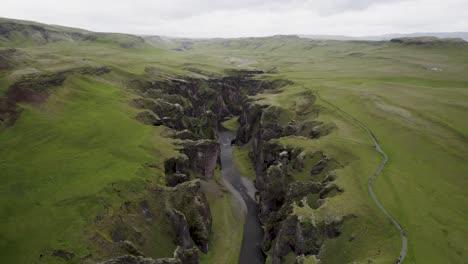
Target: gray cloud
column 223, row 18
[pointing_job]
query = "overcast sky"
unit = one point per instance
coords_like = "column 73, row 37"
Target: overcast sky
column 241, row 18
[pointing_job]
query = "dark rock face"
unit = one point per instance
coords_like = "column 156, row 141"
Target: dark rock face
column 177, row 170
column 189, row 213
column 183, row 210
column 181, row 228
column 176, row 178
column 198, row 105
column 187, row 256
column 265, row 122
column 185, row 134
column 285, row 232
column 141, row 260
column 319, row 166
column 148, row 117
column 302, row 237
column 203, row 156
column 289, row 239
column 192, row 108
column 66, row 255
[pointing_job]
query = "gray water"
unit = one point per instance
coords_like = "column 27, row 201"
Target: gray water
column 244, row 190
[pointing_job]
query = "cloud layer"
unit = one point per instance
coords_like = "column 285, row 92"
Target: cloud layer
column 240, row 18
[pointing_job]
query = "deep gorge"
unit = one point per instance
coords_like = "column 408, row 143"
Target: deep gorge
column 193, row 109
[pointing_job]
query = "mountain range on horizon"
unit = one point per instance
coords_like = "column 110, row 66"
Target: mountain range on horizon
column 383, row 37
column 462, row 35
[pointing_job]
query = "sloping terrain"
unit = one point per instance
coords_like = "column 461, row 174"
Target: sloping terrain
column 108, row 147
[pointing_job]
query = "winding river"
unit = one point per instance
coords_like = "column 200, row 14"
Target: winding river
column 244, row 190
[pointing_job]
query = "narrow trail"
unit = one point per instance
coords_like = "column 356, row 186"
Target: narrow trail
column 378, row 148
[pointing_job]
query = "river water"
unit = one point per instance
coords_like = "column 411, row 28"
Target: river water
column 244, row 191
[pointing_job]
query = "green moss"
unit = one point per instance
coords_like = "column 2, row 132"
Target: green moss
column 232, row 124
column 243, row 161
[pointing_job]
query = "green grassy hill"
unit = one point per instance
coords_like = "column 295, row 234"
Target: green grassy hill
column 74, row 154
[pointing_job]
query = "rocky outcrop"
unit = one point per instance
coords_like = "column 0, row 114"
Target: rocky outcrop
column 148, row 117
column 185, row 134
column 279, row 192
column 183, row 209
column 199, row 159
column 188, row 200
column 270, row 122
column 203, row 157
column 198, row 105
column 193, row 108
column 129, row 259
column 302, row 236
column 177, row 170
column 181, row 228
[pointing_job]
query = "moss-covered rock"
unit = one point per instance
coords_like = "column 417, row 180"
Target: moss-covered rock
column 203, row 156
column 148, row 117
column 185, row 134
column 129, row 259
column 188, row 199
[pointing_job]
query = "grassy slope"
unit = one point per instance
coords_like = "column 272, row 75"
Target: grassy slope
column 419, row 117
column 420, row 125
column 58, row 162
column 426, row 163
column 244, row 162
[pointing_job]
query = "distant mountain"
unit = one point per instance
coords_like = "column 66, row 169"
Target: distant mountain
column 23, row 33
column 462, row 35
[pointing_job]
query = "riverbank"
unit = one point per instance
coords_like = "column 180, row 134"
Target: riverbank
column 251, row 251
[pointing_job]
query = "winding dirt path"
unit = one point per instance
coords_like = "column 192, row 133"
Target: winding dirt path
column 378, row 148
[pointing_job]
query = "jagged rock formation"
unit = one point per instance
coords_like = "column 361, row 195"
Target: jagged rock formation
column 176, row 170
column 203, row 156
column 193, row 108
column 196, row 105
column 189, row 200
column 183, row 209
column 282, row 198
column 129, row 259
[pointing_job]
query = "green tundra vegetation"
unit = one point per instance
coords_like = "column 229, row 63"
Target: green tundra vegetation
column 75, row 163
